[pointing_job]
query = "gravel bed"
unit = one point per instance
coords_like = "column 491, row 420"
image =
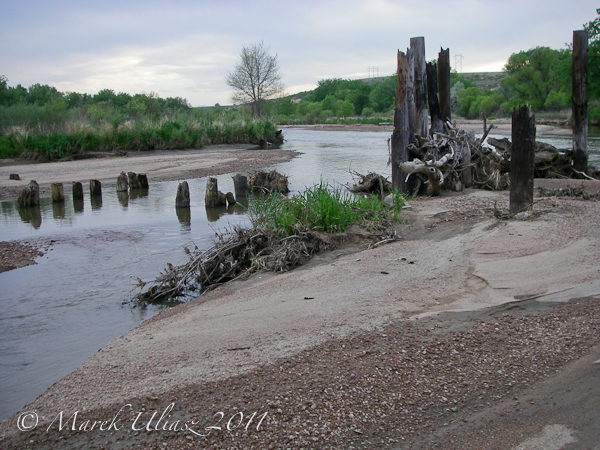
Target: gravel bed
column 383, row 389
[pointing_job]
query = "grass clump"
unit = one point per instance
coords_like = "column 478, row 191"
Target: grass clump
column 285, row 233
column 319, row 208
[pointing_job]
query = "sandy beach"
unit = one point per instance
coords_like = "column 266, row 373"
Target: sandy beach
column 464, row 333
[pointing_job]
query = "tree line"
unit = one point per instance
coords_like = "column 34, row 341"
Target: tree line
column 41, row 121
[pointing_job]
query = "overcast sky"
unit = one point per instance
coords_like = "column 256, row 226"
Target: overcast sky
column 185, row 48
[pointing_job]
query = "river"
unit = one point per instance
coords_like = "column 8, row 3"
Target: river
column 56, row 314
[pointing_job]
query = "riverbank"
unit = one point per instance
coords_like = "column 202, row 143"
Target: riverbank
column 350, row 351
column 159, row 165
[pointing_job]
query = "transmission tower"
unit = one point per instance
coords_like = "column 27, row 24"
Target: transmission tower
column 458, row 63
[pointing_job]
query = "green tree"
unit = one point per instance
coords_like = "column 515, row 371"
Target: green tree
column 533, row 74
column 346, row 109
column 383, row 95
column 41, row 94
column 255, row 77
column 593, row 29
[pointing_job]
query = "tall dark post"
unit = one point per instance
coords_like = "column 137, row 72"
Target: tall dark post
column 522, row 160
column 432, row 98
column 417, row 45
column 410, row 95
column 400, row 136
column 444, row 82
column 580, row 100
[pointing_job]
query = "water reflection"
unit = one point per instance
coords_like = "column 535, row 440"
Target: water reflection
column 78, row 205
column 32, row 215
column 137, row 193
column 123, row 198
column 96, row 202
column 184, row 215
column 58, row 210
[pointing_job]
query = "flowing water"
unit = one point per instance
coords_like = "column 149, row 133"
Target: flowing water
column 56, row 314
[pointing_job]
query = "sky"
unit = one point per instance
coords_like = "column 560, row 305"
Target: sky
column 185, row 48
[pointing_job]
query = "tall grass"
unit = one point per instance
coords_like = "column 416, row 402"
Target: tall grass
column 53, row 132
column 321, row 208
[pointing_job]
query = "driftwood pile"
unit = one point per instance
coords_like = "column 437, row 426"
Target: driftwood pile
column 267, row 182
column 456, row 159
column 372, row 183
column 240, row 252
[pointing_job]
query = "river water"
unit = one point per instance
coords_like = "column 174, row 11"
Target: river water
column 56, row 314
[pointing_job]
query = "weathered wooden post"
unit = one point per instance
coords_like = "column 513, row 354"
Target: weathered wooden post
column 400, row 135
column 213, row 197
column 410, row 96
column 142, row 181
column 444, row 85
column 522, row 160
column 29, row 196
column 580, row 100
column 122, row 183
column 437, row 126
column 240, row 185
column 77, row 189
column 417, row 45
column 57, row 193
column 182, row 199
column 95, row 188
column 132, row 178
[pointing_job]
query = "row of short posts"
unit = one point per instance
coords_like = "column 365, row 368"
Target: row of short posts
column 215, row 201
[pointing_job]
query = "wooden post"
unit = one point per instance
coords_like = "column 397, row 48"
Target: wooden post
column 437, row 125
column 95, row 188
column 522, row 160
column 400, row 135
column 57, row 193
column 122, row 183
column 418, row 46
column 182, row 200
column 240, row 185
column 580, row 100
column 30, row 195
column 410, row 96
column 444, row 85
column 213, row 197
column 77, row 188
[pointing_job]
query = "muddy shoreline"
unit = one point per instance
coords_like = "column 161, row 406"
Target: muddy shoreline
column 351, row 351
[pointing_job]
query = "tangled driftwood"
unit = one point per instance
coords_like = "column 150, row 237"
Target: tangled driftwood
column 241, row 251
column 267, row 182
column 371, row 183
column 456, row 159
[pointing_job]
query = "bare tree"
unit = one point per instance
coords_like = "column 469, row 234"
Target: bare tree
column 255, row 77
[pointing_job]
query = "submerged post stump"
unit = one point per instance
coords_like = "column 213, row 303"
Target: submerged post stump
column 142, row 181
column 213, row 196
column 133, row 180
column 240, row 185
column 182, row 199
column 122, row 183
column 77, row 188
column 230, row 198
column 95, row 188
column 522, row 160
column 57, row 193
column 29, row 196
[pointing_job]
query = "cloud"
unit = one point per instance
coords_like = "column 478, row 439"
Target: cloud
column 185, row 48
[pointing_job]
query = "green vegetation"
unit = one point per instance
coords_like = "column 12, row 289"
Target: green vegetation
column 43, row 122
column 338, row 101
column 319, row 208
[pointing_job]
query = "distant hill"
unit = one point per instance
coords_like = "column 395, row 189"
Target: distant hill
column 485, row 80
